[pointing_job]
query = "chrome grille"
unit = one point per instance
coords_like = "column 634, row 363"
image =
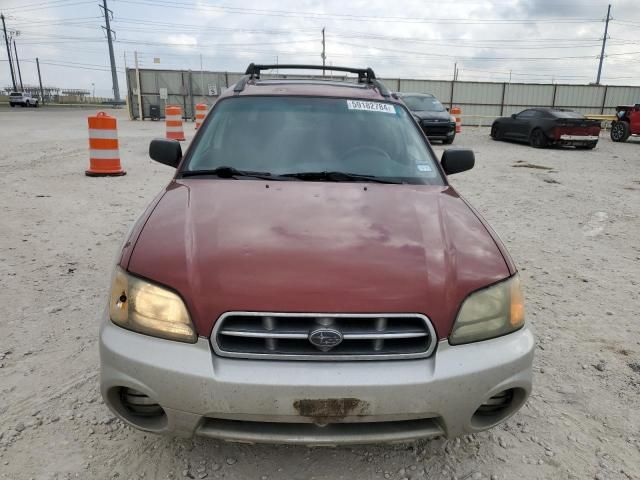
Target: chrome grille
column 287, row 336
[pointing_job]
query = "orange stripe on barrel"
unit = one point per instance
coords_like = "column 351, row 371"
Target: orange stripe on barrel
column 104, row 164
column 103, row 143
column 102, row 123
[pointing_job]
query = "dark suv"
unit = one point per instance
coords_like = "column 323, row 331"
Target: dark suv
column 309, row 276
column 434, row 119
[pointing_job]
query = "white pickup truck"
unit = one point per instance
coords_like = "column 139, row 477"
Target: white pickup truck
column 23, row 99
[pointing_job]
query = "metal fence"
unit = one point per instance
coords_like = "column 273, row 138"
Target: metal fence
column 481, row 102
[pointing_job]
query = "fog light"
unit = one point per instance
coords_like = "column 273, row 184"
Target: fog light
column 140, row 404
column 496, row 403
column 498, row 408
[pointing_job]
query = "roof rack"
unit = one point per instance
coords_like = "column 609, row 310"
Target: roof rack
column 365, row 75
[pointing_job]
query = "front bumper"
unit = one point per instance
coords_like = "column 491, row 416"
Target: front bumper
column 313, row 403
column 438, row 130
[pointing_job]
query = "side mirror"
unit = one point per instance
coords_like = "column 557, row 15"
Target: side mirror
column 457, row 160
column 167, row 152
column 513, row 115
column 447, row 108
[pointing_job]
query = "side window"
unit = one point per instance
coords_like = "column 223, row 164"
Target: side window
column 526, row 114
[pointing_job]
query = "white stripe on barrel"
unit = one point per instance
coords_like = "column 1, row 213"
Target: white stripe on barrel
column 104, row 154
column 106, row 134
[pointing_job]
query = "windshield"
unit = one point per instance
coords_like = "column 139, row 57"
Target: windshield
column 289, row 135
column 423, row 103
column 15, row 94
column 566, row 114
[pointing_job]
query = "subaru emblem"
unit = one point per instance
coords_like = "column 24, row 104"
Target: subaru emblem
column 325, row 338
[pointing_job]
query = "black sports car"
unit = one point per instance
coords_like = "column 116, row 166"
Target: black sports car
column 436, row 122
column 542, row 127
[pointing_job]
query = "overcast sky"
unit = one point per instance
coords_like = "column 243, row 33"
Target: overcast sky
column 527, row 40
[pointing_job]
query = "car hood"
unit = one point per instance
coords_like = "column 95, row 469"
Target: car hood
column 245, row 245
column 432, row 115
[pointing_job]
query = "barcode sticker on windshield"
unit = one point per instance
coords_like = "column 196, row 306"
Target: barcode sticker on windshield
column 370, row 106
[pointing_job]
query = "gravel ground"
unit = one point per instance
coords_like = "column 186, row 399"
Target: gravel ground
column 569, row 218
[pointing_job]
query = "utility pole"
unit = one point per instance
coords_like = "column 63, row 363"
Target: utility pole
column 40, row 80
column 324, row 56
column 453, row 83
column 112, row 59
column 140, row 111
column 18, row 65
column 6, row 41
column 202, row 78
column 604, row 42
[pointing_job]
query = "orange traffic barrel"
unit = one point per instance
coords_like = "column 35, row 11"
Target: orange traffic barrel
column 457, row 112
column 104, row 154
column 173, row 122
column 201, row 112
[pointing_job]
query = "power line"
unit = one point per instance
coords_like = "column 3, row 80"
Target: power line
column 45, row 7
column 53, row 3
column 358, row 18
column 478, row 57
column 66, row 64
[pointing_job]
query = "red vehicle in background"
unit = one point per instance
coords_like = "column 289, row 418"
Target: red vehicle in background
column 309, row 276
column 545, row 127
column 627, row 122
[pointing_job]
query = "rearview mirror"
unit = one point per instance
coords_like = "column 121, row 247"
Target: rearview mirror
column 513, row 115
column 167, row 152
column 457, row 160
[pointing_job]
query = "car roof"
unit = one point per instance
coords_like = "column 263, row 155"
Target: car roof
column 549, row 109
column 408, row 94
column 310, row 88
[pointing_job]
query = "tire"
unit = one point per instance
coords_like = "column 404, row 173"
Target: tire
column 35, row 105
column 495, row 132
column 538, row 139
column 12, row 105
column 448, row 141
column 620, row 131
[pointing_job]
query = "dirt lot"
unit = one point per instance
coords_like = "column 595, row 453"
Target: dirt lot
column 570, row 219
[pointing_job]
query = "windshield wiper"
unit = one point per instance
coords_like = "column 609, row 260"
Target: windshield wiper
column 228, row 172
column 340, row 177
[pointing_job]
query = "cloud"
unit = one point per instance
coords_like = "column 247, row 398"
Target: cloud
column 182, row 41
column 417, row 38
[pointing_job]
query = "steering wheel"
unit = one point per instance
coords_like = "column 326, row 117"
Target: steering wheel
column 361, row 150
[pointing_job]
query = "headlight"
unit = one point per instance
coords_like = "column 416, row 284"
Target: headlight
column 489, row 313
column 146, row 308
